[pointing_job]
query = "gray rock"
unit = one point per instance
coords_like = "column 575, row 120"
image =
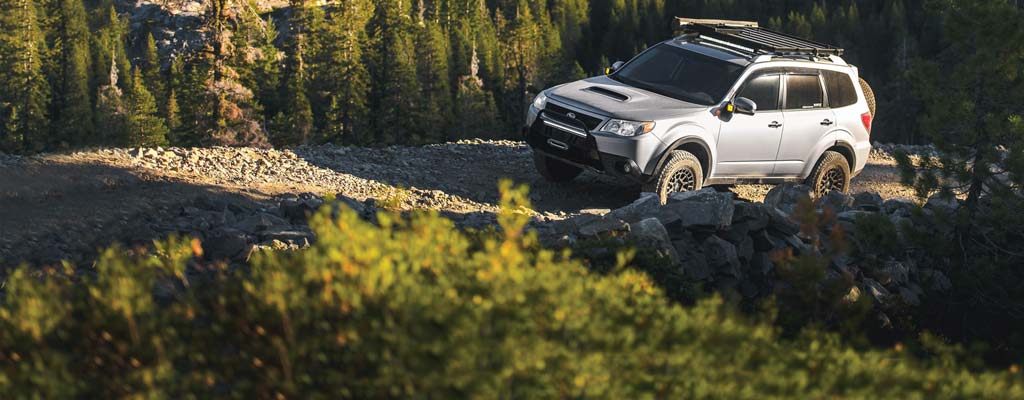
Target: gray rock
column 788, row 196
column 897, row 271
column 875, row 289
column 702, row 208
column 600, row 226
column 934, row 280
column 836, row 201
column 259, row 222
column 226, row 244
column 901, row 206
column 781, row 222
column 939, row 203
column 721, row 256
column 653, row 233
column 851, row 216
column 867, row 201
column 296, row 236
column 755, row 215
column 908, row 296
column 694, row 264
column 762, row 264
column 642, row 208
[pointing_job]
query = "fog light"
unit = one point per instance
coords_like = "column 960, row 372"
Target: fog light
column 626, row 168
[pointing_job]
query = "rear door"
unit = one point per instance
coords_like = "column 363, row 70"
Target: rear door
column 748, row 144
column 808, row 120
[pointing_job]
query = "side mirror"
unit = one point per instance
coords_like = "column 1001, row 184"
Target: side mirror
column 742, row 105
column 614, row 67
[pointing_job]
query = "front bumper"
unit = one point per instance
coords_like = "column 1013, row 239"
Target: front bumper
column 604, row 153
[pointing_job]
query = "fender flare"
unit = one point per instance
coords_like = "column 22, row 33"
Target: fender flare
column 708, row 155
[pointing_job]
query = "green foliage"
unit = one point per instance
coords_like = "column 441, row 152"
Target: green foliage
column 411, row 309
column 73, row 101
column 23, row 90
column 144, row 127
column 972, row 94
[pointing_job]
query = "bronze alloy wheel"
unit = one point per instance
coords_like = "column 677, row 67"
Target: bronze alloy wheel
column 832, row 173
column 682, row 181
column 833, row 179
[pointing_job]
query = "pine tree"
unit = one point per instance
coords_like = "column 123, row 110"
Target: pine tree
column 151, row 73
column 111, row 114
column 432, row 70
column 295, row 125
column 257, row 59
column 144, row 127
column 973, row 94
column 23, row 90
column 72, row 98
column 345, row 76
column 396, row 94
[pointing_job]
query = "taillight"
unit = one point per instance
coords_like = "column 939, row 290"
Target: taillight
column 865, row 118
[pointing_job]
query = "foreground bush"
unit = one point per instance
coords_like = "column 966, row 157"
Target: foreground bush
column 416, row 309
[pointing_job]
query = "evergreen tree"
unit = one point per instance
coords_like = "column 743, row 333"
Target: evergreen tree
column 151, row 73
column 974, row 105
column 432, row 70
column 295, row 125
column 395, row 97
column 345, row 76
column 71, row 97
column 23, row 90
column 111, row 121
column 144, row 127
column 257, row 60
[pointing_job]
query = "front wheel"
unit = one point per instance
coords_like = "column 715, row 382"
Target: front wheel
column 831, row 174
column 682, row 173
column 554, row 170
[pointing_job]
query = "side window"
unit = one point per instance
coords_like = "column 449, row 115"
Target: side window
column 841, row 92
column 764, row 91
column 803, row 92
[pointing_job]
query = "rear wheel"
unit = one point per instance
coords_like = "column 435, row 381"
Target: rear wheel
column 682, row 173
column 555, row 170
column 831, row 174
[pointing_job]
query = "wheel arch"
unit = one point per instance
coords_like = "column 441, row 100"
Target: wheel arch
column 696, row 146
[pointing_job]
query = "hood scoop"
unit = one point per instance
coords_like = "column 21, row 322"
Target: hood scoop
column 607, row 93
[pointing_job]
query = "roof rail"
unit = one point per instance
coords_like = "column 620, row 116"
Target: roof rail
column 748, row 36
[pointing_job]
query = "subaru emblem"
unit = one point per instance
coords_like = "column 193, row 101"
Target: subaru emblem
column 571, row 115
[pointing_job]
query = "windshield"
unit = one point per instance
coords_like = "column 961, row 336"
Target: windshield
column 680, row 74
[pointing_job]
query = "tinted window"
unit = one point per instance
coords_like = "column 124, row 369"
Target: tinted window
column 803, row 92
column 680, row 74
column 841, row 92
column 764, row 91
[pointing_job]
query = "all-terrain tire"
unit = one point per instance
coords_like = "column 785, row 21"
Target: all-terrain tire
column 554, row 170
column 831, row 173
column 869, row 95
column 681, row 173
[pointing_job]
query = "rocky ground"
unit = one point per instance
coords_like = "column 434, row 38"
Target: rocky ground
column 64, row 206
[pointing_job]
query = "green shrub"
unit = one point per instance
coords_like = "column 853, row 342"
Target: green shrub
column 412, row 309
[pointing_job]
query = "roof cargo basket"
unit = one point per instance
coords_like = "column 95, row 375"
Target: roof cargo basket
column 748, row 36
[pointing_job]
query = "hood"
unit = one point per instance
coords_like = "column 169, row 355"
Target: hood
column 605, row 96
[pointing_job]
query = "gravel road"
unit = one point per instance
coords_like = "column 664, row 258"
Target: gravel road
column 59, row 203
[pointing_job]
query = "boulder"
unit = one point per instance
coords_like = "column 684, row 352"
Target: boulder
column 653, row 233
column 781, row 223
column 721, row 256
column 867, row 201
column 934, row 280
column 229, row 244
column 902, row 207
column 702, row 208
column 295, row 236
column 599, row 226
column 836, row 201
column 897, row 271
column 875, row 289
column 909, row 297
column 642, row 208
column 755, row 215
column 788, row 196
column 942, row 204
column 259, row 222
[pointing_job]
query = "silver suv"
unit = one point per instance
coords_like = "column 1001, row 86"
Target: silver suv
column 725, row 103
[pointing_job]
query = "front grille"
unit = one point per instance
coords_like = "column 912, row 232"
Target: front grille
column 582, row 150
column 562, row 114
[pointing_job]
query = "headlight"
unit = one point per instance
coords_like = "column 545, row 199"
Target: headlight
column 540, row 101
column 627, row 128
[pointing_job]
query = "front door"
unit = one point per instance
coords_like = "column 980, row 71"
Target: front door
column 748, row 144
column 807, row 121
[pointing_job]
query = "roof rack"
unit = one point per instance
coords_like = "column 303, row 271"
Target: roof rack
column 749, row 37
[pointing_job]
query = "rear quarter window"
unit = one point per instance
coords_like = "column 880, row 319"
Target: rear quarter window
column 841, row 92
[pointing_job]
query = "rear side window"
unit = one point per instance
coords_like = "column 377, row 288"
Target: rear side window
column 803, row 92
column 841, row 92
column 764, row 91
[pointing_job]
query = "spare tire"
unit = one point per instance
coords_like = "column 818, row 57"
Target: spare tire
column 869, row 95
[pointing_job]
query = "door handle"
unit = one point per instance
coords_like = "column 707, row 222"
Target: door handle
column 775, row 124
column 826, row 122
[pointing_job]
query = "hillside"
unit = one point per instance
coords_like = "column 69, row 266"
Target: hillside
column 66, row 205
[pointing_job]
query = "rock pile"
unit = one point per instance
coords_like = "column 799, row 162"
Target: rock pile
column 735, row 245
